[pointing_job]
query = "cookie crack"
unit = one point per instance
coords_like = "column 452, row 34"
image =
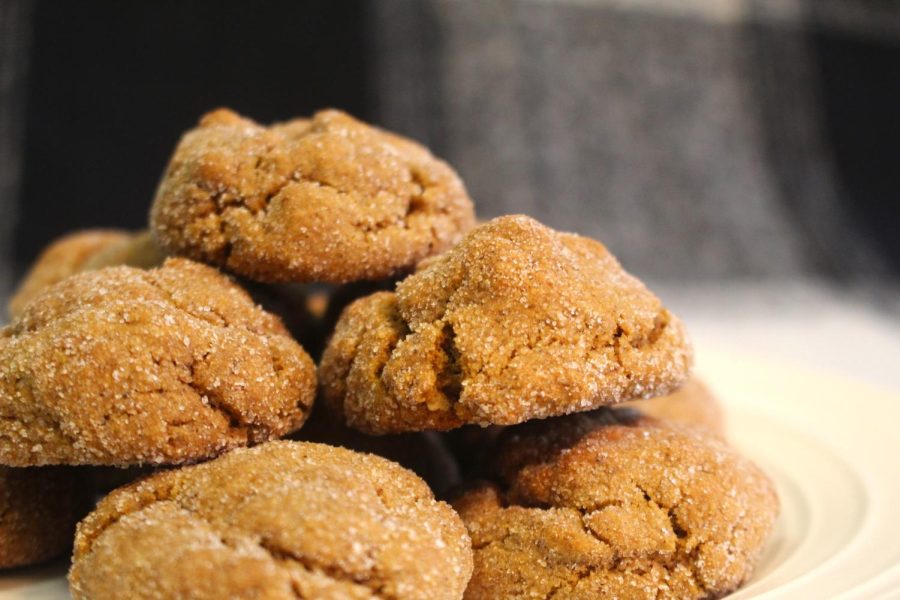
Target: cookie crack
column 690, row 561
column 274, row 550
column 612, row 342
column 400, row 326
column 449, row 378
column 660, row 323
column 334, row 572
column 212, row 399
column 152, row 280
column 223, row 200
column 679, row 557
column 494, row 540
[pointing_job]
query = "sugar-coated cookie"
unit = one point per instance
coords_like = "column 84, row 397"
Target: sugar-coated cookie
column 612, row 504
column 516, row 322
column 126, row 366
column 323, row 199
column 281, row 520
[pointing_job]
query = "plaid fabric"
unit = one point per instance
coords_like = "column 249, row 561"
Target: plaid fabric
column 700, row 140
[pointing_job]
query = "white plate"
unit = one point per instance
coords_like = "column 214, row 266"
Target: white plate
column 833, row 448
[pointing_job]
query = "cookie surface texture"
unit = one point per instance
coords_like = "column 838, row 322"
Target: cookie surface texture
column 281, row 520
column 124, row 366
column 601, row 506
column 516, row 322
column 322, row 199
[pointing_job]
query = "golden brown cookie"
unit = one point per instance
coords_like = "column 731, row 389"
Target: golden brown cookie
column 692, row 404
column 124, row 366
column 516, row 322
column 38, row 511
column 423, row 453
column 281, row 520
column 66, row 256
column 322, row 199
column 612, row 504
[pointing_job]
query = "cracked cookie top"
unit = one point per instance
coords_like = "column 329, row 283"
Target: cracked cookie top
column 84, row 251
column 322, row 199
column 516, row 322
column 281, row 520
column 615, row 505
column 38, row 511
column 124, row 366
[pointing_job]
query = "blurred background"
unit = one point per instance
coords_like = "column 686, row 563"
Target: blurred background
column 742, row 156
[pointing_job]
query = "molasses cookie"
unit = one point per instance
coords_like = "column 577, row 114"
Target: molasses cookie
column 612, row 504
column 281, row 520
column 517, row 322
column 322, row 199
column 124, row 366
column 38, row 511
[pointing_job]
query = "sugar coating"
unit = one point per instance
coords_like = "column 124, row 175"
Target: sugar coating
column 125, row 366
column 38, row 511
column 322, row 199
column 516, row 322
column 280, row 520
column 65, row 256
column 613, row 505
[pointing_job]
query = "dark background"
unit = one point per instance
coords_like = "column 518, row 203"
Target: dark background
column 696, row 148
column 113, row 84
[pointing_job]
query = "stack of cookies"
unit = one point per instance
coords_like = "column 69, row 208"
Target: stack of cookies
column 479, row 363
